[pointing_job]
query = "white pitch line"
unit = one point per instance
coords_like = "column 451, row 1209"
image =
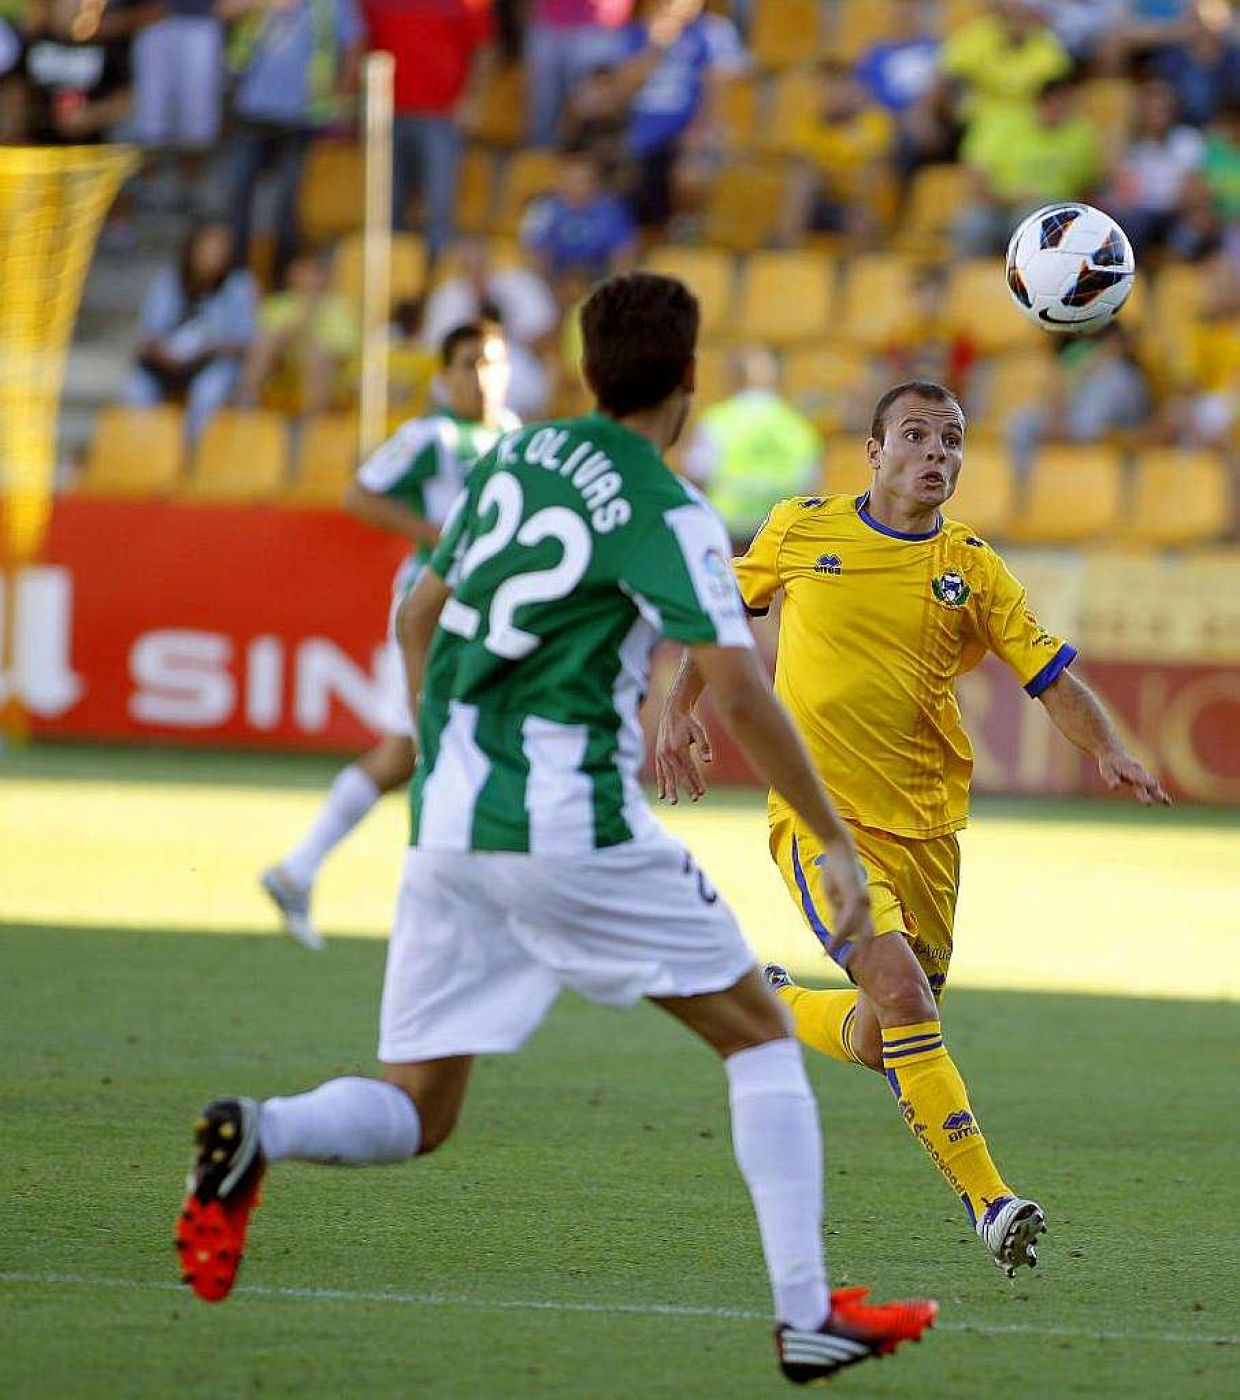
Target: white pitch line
column 444, row 1300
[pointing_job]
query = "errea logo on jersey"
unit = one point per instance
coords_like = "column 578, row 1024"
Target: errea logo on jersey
column 829, row 564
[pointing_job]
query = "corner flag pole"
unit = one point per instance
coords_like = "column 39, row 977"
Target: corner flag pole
column 376, row 250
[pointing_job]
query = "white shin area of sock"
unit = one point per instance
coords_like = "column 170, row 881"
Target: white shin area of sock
column 350, row 797
column 778, row 1144
column 345, row 1122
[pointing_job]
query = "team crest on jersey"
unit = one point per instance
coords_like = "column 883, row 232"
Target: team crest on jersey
column 828, row 564
column 950, row 589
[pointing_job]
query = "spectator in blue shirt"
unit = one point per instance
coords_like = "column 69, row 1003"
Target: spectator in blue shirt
column 296, row 64
column 1204, row 70
column 901, row 74
column 581, row 228
column 197, row 322
column 901, row 69
column 675, row 56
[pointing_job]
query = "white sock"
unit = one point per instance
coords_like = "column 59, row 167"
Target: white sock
column 350, row 797
column 778, row 1146
column 344, row 1122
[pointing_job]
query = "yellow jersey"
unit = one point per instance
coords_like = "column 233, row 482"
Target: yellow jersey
column 874, row 629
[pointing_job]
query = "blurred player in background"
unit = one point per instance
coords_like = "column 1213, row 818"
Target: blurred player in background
column 753, row 447
column 536, row 863
column 885, row 603
column 406, row 487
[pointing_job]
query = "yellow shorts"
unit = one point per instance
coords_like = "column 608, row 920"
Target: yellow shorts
column 913, row 885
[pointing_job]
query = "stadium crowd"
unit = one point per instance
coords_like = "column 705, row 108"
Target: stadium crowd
column 870, row 153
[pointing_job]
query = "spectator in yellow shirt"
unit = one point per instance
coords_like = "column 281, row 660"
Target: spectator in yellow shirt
column 1003, row 59
column 307, row 337
column 842, row 170
column 1206, row 412
column 1020, row 160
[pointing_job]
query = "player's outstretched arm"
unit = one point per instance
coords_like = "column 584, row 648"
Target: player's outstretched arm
column 416, row 620
column 1079, row 716
column 760, row 725
column 384, row 513
column 676, row 765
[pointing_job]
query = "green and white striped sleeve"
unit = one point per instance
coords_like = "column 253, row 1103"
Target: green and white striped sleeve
column 680, row 576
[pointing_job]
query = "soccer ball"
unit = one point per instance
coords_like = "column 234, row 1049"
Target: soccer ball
column 1070, row 268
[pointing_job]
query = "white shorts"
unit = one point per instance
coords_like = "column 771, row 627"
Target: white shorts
column 484, row 941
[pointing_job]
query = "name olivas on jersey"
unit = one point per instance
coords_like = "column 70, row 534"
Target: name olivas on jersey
column 586, row 467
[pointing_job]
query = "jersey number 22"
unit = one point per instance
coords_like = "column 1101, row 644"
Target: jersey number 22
column 503, row 494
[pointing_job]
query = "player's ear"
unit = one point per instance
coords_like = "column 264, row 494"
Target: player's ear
column 874, row 453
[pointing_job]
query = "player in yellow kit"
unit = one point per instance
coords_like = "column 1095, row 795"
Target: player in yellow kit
column 885, row 603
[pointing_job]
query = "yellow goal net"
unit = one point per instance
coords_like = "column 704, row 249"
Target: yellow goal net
column 52, row 203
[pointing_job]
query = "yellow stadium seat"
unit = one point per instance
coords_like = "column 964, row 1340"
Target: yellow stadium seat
column 1179, row 292
column 1074, row 496
column 134, row 451
column 985, row 490
column 860, row 23
column 332, row 191
column 959, row 12
column 714, row 378
column 1180, row 497
column 411, row 372
column 934, row 203
column 825, row 383
column 745, row 204
column 845, row 469
column 242, row 456
column 325, row 462
column 408, row 267
column 786, row 297
column 739, row 108
column 794, row 103
column 786, row 32
column 1015, row 380
column 503, row 108
column 709, row 275
column 474, row 188
column 1175, row 303
column 877, row 290
column 978, row 302
column 529, row 174
column 1136, row 310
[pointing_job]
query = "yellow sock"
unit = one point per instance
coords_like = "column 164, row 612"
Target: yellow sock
column 823, row 1019
column 935, row 1106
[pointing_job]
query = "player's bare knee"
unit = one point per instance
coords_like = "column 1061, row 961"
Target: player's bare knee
column 908, row 1003
column 895, row 984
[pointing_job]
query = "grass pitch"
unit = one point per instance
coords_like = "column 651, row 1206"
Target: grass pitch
column 586, row 1233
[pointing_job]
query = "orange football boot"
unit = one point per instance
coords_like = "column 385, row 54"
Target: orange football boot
column 223, row 1184
column 854, row 1331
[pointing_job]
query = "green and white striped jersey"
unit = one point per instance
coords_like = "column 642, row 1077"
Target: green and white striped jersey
column 423, row 465
column 572, row 552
